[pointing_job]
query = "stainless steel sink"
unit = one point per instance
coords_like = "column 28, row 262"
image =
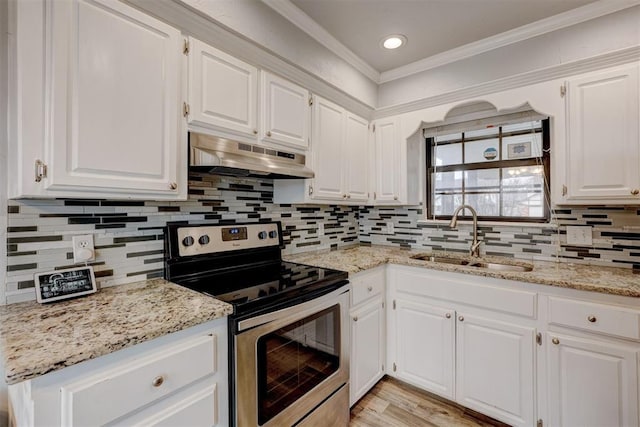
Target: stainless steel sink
column 441, row 259
column 500, row 267
column 473, row 263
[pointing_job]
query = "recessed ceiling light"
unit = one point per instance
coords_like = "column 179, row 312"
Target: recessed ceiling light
column 393, row 41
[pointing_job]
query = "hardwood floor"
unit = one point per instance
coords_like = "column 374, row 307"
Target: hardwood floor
column 392, row 403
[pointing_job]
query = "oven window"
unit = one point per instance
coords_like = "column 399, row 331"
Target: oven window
column 295, row 359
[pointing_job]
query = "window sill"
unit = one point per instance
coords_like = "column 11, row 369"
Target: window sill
column 492, row 223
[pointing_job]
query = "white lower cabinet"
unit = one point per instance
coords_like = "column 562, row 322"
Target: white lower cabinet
column 178, row 379
column 495, row 368
column 591, row 382
column 425, row 346
column 368, row 332
column 444, row 339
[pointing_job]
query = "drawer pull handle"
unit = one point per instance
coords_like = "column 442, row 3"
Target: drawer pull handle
column 592, row 319
column 173, row 185
column 448, row 315
column 370, row 288
column 635, row 191
column 269, row 133
column 556, row 341
column 158, row 381
column 461, row 318
column 355, row 318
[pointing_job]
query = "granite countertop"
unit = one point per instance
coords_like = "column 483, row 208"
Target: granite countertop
column 609, row 280
column 39, row 338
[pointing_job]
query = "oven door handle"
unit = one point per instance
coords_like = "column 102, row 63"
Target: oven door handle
column 252, row 322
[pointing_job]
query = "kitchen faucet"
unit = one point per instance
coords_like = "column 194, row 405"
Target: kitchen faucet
column 475, row 244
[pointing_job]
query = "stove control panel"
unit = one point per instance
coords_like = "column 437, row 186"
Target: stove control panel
column 199, row 240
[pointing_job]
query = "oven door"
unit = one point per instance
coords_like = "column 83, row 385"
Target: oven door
column 290, row 361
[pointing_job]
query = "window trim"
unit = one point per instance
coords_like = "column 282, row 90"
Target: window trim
column 546, row 165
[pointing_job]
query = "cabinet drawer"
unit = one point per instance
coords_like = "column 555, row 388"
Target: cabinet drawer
column 597, row 318
column 366, row 285
column 137, row 383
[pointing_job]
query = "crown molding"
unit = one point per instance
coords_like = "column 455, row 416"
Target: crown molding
column 543, row 26
column 301, row 20
column 609, row 59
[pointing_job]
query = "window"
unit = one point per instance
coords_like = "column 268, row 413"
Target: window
column 501, row 171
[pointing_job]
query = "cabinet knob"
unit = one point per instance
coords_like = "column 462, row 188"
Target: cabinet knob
column 592, row 319
column 395, row 197
column 173, row 185
column 348, row 196
column 461, row 318
column 157, row 381
column 344, row 196
column 369, row 288
column 448, row 315
column 556, row 341
column 635, row 191
column 355, row 318
column 269, row 133
column 255, row 131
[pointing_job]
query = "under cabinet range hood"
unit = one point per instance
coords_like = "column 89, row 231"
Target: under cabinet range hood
column 212, row 154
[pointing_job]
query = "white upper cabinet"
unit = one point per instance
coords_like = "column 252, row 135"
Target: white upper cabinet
column 223, row 91
column 234, row 99
column 339, row 156
column 387, row 162
column 286, row 115
column 112, row 124
column 603, row 137
column 356, row 158
column 328, row 135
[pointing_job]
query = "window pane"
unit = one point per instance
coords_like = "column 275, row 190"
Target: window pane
column 522, row 126
column 485, row 204
column 522, row 146
column 445, row 204
column 481, row 132
column 482, row 180
column 447, row 182
column 485, row 150
column 523, row 190
column 449, row 137
column 448, row 154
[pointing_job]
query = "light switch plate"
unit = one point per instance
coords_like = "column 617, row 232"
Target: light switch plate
column 579, row 235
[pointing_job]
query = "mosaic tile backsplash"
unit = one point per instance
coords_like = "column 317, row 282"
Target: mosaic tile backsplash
column 616, row 235
column 128, row 235
column 129, row 240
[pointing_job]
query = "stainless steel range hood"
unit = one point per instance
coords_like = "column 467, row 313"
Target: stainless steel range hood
column 222, row 156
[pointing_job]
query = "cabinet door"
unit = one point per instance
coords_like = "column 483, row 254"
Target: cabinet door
column 495, row 369
column 603, row 149
column 356, row 158
column 115, row 95
column 591, row 383
column 328, row 135
column 386, row 162
column 286, row 113
column 223, row 91
column 368, row 346
column 425, row 346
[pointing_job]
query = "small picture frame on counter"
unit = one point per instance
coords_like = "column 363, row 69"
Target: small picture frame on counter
column 64, row 284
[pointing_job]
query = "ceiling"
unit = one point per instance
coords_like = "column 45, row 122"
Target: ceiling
column 431, row 26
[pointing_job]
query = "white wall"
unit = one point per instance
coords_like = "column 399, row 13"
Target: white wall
column 608, row 33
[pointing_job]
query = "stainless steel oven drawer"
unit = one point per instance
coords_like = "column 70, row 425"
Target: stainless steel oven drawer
column 333, row 412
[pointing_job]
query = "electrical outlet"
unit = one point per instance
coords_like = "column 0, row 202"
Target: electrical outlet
column 83, row 250
column 321, row 229
column 390, row 229
column 581, row 236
